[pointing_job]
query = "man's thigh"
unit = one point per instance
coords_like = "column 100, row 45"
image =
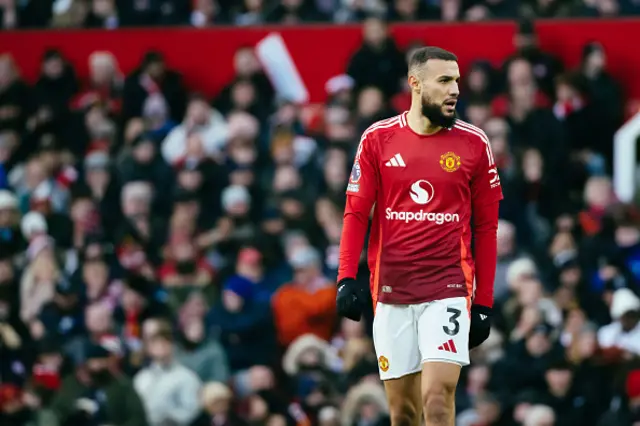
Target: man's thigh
column 443, row 331
column 438, row 393
column 395, row 337
column 405, row 399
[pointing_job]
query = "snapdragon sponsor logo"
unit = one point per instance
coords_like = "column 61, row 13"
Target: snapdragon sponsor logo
column 422, row 216
column 422, row 193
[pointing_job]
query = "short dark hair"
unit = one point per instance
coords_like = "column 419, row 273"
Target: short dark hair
column 423, row 54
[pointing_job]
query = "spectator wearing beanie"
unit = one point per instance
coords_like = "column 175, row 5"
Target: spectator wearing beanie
column 33, row 224
column 623, row 334
column 250, row 266
column 244, row 325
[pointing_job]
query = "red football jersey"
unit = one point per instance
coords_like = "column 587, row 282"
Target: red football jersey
column 424, row 189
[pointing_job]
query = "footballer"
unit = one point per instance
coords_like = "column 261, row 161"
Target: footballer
column 432, row 247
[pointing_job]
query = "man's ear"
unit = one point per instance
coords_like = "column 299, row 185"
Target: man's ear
column 414, row 83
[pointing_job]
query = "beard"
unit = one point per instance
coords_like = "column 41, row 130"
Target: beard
column 433, row 112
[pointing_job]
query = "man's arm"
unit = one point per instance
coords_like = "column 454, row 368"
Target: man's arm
column 486, row 194
column 485, row 228
column 362, row 191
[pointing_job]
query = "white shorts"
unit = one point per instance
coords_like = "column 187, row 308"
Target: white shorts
column 406, row 336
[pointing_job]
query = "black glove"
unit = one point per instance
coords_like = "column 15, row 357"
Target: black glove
column 480, row 325
column 351, row 298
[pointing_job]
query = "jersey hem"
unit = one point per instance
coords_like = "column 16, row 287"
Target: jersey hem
column 420, row 301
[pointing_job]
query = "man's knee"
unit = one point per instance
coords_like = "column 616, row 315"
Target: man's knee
column 404, row 413
column 403, row 396
column 439, row 406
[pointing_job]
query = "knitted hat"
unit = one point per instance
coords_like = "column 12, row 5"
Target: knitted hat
column 240, row 286
column 33, row 223
column 624, row 300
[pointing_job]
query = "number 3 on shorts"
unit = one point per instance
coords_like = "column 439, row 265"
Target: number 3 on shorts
column 453, row 328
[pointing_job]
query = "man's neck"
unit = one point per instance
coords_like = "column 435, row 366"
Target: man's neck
column 419, row 123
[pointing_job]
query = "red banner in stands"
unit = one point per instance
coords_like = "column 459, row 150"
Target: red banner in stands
column 204, row 57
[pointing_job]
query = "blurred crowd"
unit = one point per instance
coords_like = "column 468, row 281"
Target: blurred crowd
column 170, row 260
column 202, row 13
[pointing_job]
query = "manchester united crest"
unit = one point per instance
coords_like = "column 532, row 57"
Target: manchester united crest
column 383, row 363
column 449, row 162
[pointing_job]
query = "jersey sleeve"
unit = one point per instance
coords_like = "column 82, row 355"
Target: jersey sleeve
column 363, row 181
column 485, row 182
column 486, row 193
column 362, row 191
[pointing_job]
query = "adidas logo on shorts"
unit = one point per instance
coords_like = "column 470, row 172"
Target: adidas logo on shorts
column 448, row 346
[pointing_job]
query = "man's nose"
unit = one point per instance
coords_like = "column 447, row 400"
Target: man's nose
column 454, row 91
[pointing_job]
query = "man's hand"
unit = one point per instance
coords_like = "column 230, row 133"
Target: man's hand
column 480, row 325
column 351, row 298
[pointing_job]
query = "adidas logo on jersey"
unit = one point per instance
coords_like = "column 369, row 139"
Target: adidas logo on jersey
column 448, row 346
column 396, row 161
